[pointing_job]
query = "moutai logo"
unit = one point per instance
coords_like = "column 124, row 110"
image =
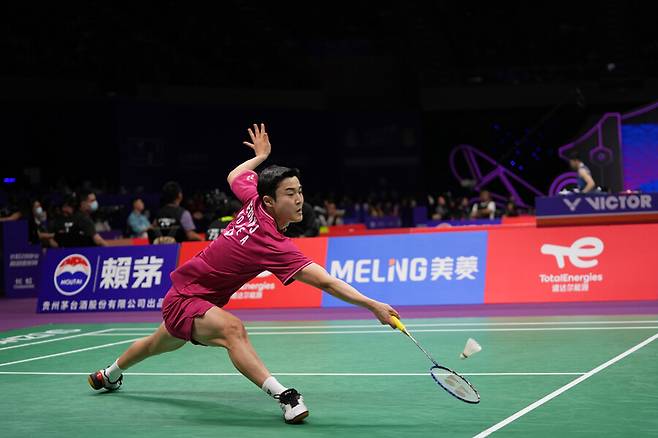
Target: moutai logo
column 72, row 274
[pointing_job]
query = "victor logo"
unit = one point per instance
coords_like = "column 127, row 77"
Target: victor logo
column 583, row 248
column 572, row 204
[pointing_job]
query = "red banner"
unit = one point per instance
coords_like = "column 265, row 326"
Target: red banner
column 598, row 263
column 266, row 291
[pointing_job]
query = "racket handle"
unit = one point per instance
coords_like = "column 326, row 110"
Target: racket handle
column 398, row 324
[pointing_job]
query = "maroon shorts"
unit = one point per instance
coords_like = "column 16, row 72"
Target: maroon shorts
column 179, row 312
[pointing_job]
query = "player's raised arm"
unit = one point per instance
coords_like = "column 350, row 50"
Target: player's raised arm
column 262, row 148
column 317, row 276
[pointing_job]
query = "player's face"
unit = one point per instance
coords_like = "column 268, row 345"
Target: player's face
column 289, row 200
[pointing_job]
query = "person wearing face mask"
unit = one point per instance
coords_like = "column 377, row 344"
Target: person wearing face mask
column 37, row 226
column 83, row 222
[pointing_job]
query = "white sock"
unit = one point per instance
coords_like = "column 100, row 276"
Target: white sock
column 113, row 372
column 272, row 386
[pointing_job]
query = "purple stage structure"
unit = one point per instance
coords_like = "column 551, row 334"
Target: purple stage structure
column 621, row 150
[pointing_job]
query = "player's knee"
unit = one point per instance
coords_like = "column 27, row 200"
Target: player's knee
column 234, row 330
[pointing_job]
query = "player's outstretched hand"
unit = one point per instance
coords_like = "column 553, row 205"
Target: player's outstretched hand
column 260, row 141
column 383, row 313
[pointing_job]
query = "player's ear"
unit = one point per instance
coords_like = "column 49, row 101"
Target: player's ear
column 268, row 201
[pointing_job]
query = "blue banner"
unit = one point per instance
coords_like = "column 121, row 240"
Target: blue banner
column 20, row 260
column 128, row 278
column 597, row 204
column 416, row 269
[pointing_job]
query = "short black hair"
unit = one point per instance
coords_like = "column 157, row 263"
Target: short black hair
column 170, row 192
column 84, row 194
column 270, row 177
column 70, row 200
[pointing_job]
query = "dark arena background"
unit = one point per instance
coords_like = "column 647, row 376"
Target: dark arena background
column 489, row 170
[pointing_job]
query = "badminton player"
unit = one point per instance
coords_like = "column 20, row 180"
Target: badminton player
column 253, row 242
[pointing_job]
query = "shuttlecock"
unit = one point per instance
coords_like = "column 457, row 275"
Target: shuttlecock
column 470, row 349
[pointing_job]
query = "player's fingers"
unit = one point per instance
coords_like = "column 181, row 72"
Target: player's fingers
column 251, row 134
column 256, row 130
column 262, row 128
column 248, row 144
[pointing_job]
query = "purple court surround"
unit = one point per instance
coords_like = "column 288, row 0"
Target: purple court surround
column 19, row 313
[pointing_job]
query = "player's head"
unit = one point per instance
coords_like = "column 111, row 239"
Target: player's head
column 485, row 196
column 575, row 160
column 172, row 193
column 281, row 193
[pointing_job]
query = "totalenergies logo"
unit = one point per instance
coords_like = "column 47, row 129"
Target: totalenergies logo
column 72, row 274
column 581, row 253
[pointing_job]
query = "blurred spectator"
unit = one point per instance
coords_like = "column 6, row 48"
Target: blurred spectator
column 485, row 209
column 442, row 209
column 37, row 226
column 197, row 207
column 62, row 224
column 172, row 223
column 224, row 215
column 510, row 209
column 17, row 208
column 585, row 181
column 308, row 227
column 462, row 209
column 73, row 226
column 138, row 222
column 88, row 205
column 332, row 215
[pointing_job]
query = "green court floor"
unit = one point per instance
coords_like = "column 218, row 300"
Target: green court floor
column 358, row 379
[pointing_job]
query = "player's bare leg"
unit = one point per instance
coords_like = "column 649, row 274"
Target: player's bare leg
column 158, row 342
column 219, row 328
column 222, row 329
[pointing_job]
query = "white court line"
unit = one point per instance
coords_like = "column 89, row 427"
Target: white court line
column 45, row 373
column 566, row 387
column 96, row 333
column 63, row 353
column 443, row 324
column 385, row 329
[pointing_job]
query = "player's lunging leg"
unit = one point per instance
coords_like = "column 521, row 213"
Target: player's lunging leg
column 219, row 328
column 158, row 342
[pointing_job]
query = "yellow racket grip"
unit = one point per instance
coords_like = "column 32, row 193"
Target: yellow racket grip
column 398, row 324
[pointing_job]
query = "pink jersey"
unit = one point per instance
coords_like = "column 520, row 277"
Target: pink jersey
column 248, row 246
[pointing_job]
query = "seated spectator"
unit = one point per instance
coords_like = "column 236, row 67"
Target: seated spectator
column 332, row 215
column 224, row 216
column 138, row 222
column 17, row 208
column 172, row 223
column 74, row 227
column 88, row 205
column 37, row 226
column 485, row 209
column 308, row 227
column 462, row 209
column 442, row 210
column 510, row 209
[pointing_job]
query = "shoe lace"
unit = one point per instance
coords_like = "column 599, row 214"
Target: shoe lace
column 289, row 397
